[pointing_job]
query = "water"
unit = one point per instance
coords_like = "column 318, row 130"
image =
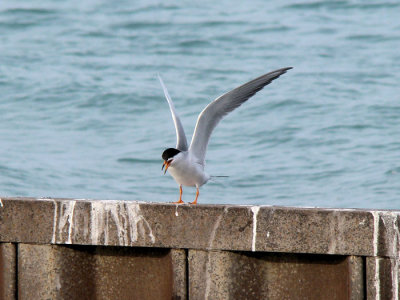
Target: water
column 83, row 115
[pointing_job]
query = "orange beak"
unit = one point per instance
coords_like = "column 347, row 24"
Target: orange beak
column 166, row 165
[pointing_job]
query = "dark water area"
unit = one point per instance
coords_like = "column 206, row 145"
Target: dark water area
column 83, row 114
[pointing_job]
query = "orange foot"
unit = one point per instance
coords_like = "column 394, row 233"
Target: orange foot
column 178, row 202
column 197, row 196
column 180, row 196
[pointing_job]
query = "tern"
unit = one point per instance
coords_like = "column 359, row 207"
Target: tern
column 186, row 164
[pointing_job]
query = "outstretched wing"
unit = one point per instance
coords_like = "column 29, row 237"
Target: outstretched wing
column 216, row 110
column 181, row 142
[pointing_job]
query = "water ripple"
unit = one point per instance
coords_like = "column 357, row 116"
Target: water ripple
column 83, row 114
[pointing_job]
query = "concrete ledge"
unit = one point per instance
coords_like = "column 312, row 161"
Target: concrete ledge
column 202, row 227
column 80, row 249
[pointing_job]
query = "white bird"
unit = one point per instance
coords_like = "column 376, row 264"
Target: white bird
column 186, row 164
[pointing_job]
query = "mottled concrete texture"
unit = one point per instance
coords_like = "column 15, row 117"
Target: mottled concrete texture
column 247, row 275
column 356, row 275
column 179, row 267
column 89, row 272
column 8, row 268
column 382, row 278
column 216, row 227
column 97, row 249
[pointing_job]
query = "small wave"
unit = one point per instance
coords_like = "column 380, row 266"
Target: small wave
column 374, row 5
column 318, row 5
column 97, row 34
column 214, row 71
column 218, row 23
column 389, row 111
column 281, row 28
column 148, row 8
column 393, row 171
column 133, row 160
column 342, row 5
column 194, row 43
column 17, row 25
column 36, row 11
column 13, row 173
column 371, row 37
column 346, row 127
column 285, row 103
column 316, row 142
column 327, row 174
column 140, row 25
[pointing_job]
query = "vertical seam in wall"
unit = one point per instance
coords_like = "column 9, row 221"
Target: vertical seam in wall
column 187, row 273
column 2, row 270
column 364, row 265
column 349, row 277
column 16, row 271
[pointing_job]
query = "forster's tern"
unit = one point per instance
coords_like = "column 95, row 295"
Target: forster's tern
column 186, row 164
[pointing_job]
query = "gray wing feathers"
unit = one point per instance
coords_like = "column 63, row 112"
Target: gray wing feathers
column 181, row 142
column 216, row 110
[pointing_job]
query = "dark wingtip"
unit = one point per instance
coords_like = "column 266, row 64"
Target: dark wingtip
column 283, row 70
column 276, row 74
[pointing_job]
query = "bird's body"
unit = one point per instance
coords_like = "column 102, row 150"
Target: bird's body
column 186, row 164
column 186, row 171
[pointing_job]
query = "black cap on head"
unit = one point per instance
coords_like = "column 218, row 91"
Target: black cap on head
column 170, row 152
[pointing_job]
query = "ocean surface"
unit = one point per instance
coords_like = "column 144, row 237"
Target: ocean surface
column 83, row 114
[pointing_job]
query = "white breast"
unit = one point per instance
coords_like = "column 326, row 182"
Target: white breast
column 186, row 171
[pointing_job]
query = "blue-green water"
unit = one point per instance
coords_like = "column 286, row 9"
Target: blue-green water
column 83, row 115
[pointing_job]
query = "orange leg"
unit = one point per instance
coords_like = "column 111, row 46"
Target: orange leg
column 180, row 196
column 197, row 196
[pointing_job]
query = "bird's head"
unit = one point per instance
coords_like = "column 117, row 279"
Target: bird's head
column 168, row 156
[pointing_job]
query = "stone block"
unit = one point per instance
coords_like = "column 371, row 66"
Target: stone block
column 179, row 267
column 321, row 231
column 356, row 269
column 26, row 220
column 8, row 268
column 88, row 272
column 36, row 277
column 382, row 278
column 247, row 275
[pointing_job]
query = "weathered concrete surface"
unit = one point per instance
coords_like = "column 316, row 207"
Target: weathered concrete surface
column 89, row 272
column 383, row 276
column 35, row 279
column 179, row 267
column 356, row 269
column 26, row 220
column 8, row 270
column 231, row 252
column 217, row 227
column 247, row 275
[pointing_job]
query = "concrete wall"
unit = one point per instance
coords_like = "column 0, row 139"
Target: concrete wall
column 81, row 249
